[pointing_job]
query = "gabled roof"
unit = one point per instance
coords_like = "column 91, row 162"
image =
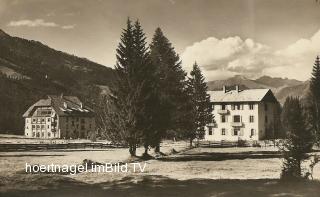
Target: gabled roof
column 249, row 95
column 62, row 105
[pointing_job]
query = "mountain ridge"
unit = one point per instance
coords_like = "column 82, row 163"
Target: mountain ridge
column 34, row 70
column 281, row 87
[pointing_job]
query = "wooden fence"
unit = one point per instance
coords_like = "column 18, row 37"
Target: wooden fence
column 218, row 144
column 28, row 147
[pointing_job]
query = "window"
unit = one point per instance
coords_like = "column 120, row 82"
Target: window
column 266, row 119
column 82, row 120
column 252, row 133
column 236, row 131
column 38, row 134
column 49, row 134
column 42, row 126
column 266, row 107
column 34, row 120
column 38, row 126
column 251, row 118
column 33, row 134
column 48, row 126
column 210, row 130
column 42, row 134
column 42, row 120
column 48, row 119
column 33, row 127
column 223, row 131
column 239, row 106
column 223, row 107
column 223, row 118
column 27, row 127
column 236, row 118
column 251, row 106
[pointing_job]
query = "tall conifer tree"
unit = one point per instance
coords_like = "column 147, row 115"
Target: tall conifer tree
column 170, row 86
column 298, row 139
column 200, row 100
column 314, row 100
column 132, row 91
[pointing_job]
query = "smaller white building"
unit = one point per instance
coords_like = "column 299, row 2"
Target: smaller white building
column 242, row 115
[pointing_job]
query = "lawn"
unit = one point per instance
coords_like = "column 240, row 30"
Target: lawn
column 196, row 172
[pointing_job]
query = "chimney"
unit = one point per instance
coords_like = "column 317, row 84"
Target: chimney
column 81, row 105
column 224, row 89
column 65, row 105
column 61, row 96
column 237, row 88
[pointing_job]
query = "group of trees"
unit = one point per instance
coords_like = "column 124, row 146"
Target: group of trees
column 302, row 125
column 153, row 98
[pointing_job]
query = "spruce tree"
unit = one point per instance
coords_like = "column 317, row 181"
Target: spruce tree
column 131, row 89
column 169, row 86
column 200, row 100
column 298, row 139
column 314, row 100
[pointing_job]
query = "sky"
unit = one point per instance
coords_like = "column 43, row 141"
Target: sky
column 279, row 38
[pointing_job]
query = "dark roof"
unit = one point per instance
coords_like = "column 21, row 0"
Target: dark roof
column 250, row 95
column 62, row 105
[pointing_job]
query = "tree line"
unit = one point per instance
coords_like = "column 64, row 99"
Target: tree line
column 153, row 98
column 301, row 121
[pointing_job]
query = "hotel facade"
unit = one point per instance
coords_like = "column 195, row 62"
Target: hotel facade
column 249, row 115
column 59, row 117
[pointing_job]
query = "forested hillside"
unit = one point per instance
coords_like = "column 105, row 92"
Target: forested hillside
column 30, row 70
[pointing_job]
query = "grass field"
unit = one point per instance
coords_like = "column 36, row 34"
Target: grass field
column 195, row 172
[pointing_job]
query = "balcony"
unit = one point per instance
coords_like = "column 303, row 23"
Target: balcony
column 236, row 124
column 211, row 124
column 223, row 111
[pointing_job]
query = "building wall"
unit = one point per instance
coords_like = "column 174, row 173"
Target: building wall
column 257, row 127
column 76, row 127
column 27, row 127
column 40, row 126
column 266, row 119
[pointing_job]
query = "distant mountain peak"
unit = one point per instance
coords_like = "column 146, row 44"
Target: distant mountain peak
column 240, row 77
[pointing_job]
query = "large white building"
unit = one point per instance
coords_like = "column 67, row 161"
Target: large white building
column 59, row 117
column 242, row 115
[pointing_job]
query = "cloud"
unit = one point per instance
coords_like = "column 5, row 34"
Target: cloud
column 68, row 26
column 37, row 23
column 225, row 57
column 32, row 23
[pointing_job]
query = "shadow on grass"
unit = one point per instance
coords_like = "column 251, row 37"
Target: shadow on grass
column 214, row 156
column 140, row 186
column 31, row 155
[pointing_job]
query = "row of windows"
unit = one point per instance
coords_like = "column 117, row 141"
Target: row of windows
column 239, row 106
column 41, row 134
column 38, row 127
column 38, row 120
column 238, row 118
column 235, row 131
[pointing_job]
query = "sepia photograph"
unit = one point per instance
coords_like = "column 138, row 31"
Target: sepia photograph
column 159, row 98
